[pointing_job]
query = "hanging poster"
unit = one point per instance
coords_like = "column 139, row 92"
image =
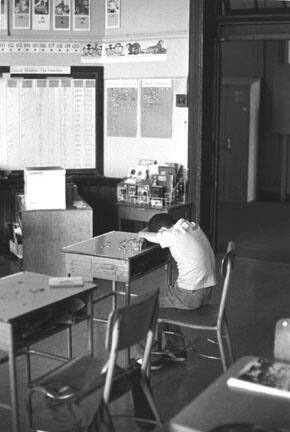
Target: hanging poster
column 3, row 15
column 61, row 18
column 156, row 108
column 122, row 96
column 112, row 13
column 124, row 51
column 41, row 15
column 81, row 20
column 21, row 14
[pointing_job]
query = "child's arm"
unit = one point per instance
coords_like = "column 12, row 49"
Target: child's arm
column 149, row 236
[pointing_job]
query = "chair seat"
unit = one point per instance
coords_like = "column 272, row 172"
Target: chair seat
column 83, row 375
column 74, row 376
column 205, row 317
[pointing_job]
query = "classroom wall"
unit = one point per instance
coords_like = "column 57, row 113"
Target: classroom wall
column 140, row 21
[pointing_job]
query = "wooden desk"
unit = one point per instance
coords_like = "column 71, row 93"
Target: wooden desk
column 219, row 404
column 143, row 214
column 22, row 296
column 103, row 257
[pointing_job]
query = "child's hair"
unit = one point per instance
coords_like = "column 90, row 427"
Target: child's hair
column 161, row 220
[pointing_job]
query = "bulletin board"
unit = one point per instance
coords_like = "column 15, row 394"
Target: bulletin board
column 49, row 119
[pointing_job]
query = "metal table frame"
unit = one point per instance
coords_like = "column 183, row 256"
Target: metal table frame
column 22, row 295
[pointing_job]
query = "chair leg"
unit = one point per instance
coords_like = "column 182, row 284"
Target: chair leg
column 29, row 396
column 221, row 349
column 228, row 341
column 105, row 417
column 148, row 394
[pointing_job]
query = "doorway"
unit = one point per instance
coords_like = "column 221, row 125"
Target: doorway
column 250, row 210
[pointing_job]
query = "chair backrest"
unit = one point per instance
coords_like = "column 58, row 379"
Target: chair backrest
column 127, row 326
column 227, row 266
column 282, row 339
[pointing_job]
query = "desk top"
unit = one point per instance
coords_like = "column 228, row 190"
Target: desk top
column 118, row 245
column 219, row 405
column 25, row 292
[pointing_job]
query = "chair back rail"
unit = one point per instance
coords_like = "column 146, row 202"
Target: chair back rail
column 227, row 266
column 127, row 326
column 282, row 340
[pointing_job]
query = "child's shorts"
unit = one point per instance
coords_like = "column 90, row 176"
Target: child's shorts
column 179, row 298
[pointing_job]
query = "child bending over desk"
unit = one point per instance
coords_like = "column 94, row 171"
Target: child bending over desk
column 195, row 262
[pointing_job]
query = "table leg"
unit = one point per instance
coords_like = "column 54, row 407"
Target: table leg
column 127, row 293
column 90, row 325
column 127, row 302
column 114, row 301
column 169, row 272
column 13, row 384
column 284, row 158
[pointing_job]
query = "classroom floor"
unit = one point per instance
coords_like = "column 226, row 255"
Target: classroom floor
column 261, row 230
column 259, row 296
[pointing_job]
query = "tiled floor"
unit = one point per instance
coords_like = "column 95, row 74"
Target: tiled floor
column 259, row 296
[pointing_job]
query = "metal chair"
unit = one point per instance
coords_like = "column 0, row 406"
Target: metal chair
column 282, row 340
column 81, row 391
column 210, row 318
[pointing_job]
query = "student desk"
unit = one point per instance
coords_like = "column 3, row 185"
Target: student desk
column 114, row 256
column 23, row 296
column 126, row 211
column 219, row 405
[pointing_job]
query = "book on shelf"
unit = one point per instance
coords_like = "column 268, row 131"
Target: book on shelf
column 265, row 376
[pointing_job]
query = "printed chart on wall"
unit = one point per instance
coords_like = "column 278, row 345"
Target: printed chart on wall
column 40, row 15
column 47, row 122
column 3, row 15
column 21, row 14
column 122, row 108
column 156, row 108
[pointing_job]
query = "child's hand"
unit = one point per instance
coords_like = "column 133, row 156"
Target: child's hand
column 141, row 233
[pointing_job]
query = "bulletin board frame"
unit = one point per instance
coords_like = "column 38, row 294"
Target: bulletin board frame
column 78, row 72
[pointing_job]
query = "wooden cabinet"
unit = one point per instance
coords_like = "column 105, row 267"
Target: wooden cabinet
column 46, row 232
column 240, row 103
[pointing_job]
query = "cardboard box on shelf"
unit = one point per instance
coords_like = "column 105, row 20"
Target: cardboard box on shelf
column 44, row 188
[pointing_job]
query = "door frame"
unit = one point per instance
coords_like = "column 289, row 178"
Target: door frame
column 203, row 92
column 207, row 31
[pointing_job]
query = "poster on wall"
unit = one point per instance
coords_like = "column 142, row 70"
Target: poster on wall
column 81, row 20
column 112, row 13
column 21, row 14
column 61, row 14
column 122, row 97
column 41, row 15
column 3, row 15
column 156, row 108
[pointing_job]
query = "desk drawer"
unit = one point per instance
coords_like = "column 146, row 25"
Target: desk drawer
column 110, row 269
column 79, row 265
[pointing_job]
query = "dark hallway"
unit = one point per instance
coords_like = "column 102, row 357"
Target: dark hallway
column 261, row 230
